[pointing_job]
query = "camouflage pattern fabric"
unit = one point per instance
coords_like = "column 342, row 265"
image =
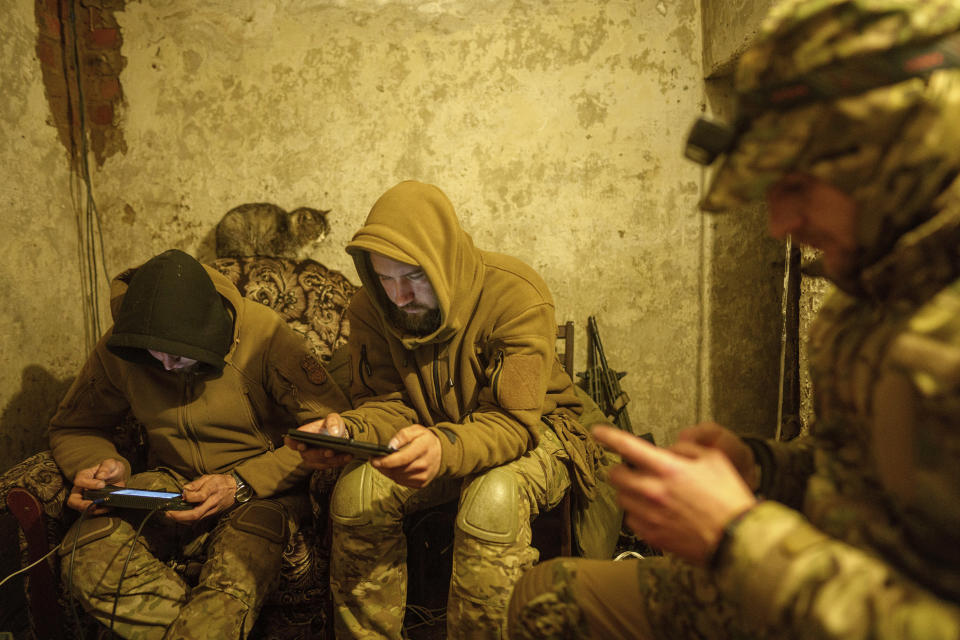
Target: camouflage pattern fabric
column 368, row 568
column 793, row 462
column 233, row 568
column 892, row 148
column 875, row 551
column 643, row 599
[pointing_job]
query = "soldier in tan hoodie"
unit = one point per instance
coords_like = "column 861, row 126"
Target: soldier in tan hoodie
column 454, row 363
column 215, row 379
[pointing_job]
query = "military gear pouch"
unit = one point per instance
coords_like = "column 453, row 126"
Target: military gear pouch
column 263, row 518
column 87, row 531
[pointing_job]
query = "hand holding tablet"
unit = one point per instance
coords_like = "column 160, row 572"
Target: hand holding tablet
column 344, row 445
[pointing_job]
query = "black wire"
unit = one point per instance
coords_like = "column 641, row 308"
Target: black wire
column 133, row 543
column 73, row 552
column 91, row 216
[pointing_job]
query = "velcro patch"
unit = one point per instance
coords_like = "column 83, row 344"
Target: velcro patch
column 520, row 382
column 314, row 370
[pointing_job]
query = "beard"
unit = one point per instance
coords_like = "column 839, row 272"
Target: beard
column 421, row 323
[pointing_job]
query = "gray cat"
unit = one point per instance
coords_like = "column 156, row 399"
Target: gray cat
column 264, row 229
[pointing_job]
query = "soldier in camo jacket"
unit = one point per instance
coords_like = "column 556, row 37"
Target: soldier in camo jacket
column 849, row 128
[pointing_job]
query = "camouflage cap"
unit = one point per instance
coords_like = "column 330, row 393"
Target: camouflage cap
column 818, row 94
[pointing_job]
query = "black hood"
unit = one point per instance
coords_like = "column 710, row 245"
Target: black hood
column 171, row 305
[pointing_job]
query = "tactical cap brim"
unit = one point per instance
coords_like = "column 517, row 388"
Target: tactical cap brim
column 799, row 38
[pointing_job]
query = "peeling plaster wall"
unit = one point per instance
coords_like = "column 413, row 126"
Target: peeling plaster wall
column 730, row 26
column 41, row 330
column 555, row 128
column 744, row 267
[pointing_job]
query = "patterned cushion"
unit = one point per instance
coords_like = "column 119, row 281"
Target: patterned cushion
column 310, row 297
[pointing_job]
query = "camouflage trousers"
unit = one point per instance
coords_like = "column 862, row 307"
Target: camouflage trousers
column 491, row 547
column 231, row 560
column 644, row 599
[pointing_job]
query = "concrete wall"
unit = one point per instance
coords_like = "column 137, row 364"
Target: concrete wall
column 41, row 327
column 729, row 27
column 555, row 127
column 746, row 267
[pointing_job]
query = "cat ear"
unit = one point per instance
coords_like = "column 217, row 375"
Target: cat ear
column 311, row 219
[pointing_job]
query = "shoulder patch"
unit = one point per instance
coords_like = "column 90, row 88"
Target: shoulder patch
column 314, row 370
column 519, row 387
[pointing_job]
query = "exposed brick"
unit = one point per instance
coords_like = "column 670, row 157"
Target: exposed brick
column 98, row 64
column 93, row 18
column 104, row 38
column 101, row 114
column 108, row 88
column 56, row 86
column 100, row 18
column 106, row 5
column 49, row 53
column 59, row 107
column 50, row 25
column 50, row 7
column 101, row 62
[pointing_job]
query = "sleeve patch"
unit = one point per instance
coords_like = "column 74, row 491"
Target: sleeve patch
column 314, row 370
column 520, row 387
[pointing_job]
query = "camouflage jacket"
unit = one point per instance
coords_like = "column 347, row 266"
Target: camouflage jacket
column 876, row 550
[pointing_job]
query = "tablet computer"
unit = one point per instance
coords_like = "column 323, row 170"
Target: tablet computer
column 113, row 496
column 345, row 445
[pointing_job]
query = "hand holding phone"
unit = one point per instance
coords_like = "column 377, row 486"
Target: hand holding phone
column 344, row 445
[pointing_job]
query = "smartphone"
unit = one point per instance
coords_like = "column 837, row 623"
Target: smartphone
column 345, row 445
column 113, row 496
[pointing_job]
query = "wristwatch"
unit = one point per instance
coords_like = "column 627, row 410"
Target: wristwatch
column 244, row 492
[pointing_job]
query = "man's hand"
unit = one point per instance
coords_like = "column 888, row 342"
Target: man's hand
column 109, row 471
column 678, row 500
column 318, row 457
column 714, row 436
column 214, row 493
column 415, row 464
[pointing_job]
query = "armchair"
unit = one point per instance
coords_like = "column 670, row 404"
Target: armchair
column 313, row 300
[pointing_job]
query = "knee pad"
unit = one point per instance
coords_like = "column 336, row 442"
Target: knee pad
column 87, row 531
column 490, row 508
column 353, row 495
column 266, row 519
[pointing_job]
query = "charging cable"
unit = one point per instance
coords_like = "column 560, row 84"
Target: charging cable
column 123, row 571
column 31, row 565
column 73, row 553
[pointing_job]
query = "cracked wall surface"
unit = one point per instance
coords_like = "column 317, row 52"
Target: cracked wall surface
column 41, row 332
column 556, row 129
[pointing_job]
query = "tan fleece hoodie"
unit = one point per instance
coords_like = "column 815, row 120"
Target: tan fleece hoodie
column 487, row 376
column 205, row 422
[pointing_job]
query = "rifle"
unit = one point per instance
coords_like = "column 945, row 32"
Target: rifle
column 603, row 383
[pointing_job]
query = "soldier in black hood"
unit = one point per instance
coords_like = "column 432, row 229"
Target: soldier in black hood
column 215, row 379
